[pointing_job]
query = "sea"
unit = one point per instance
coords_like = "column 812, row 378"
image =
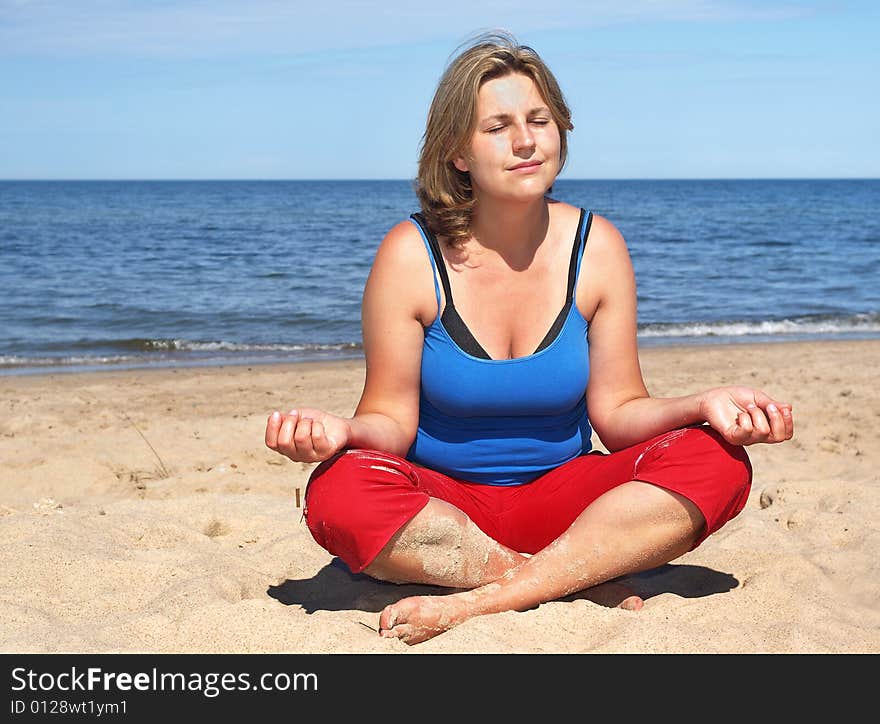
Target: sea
column 129, row 274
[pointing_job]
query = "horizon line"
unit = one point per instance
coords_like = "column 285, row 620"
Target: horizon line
column 410, row 180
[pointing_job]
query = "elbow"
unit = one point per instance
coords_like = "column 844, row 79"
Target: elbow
column 402, row 445
column 612, row 443
column 397, row 437
column 403, row 436
column 381, row 428
column 619, row 422
column 601, row 431
column 612, row 437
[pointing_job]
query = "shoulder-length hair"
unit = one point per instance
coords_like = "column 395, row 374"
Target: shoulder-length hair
column 444, row 192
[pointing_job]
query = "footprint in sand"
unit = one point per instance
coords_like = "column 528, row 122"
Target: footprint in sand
column 215, row 529
column 769, row 496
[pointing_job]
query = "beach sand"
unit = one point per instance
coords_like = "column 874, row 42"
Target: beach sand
column 141, row 512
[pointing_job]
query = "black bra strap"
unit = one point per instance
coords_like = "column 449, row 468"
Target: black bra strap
column 572, row 265
column 453, row 322
column 438, row 255
column 559, row 322
column 450, row 318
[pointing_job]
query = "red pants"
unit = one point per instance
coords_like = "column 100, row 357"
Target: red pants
column 357, row 500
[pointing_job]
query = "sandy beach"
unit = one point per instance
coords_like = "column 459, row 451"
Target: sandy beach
column 141, row 512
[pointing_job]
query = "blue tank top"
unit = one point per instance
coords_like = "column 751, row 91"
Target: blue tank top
column 502, row 422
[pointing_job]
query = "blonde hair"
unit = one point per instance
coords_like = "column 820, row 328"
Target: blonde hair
column 444, row 192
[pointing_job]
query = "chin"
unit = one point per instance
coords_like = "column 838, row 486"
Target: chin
column 521, row 190
column 536, row 189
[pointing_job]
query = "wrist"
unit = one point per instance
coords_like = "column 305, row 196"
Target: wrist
column 702, row 406
column 354, row 432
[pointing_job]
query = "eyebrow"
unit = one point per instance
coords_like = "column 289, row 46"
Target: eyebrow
column 508, row 116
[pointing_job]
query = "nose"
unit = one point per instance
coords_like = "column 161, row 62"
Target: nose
column 523, row 140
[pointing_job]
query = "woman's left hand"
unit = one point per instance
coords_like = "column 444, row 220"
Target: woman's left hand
column 745, row 416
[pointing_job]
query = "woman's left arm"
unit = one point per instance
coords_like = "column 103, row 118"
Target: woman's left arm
column 620, row 407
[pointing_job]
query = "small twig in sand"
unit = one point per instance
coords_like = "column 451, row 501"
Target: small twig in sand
column 368, row 626
column 162, row 469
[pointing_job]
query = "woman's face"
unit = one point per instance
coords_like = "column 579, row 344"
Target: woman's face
column 514, row 152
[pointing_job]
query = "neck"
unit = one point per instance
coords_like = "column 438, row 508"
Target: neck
column 514, row 231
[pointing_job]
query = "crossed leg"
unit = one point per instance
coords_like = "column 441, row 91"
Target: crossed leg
column 633, row 527
column 441, row 546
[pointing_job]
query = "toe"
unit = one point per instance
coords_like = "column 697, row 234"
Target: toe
column 387, row 618
column 401, row 631
column 632, row 603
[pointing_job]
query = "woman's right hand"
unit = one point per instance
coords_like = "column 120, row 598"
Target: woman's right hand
column 307, row 435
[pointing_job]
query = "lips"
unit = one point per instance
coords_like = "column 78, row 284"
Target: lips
column 525, row 165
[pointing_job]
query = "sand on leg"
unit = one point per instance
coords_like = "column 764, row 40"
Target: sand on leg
column 442, row 546
column 631, row 528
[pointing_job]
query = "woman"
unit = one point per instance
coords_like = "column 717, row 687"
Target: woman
column 499, row 332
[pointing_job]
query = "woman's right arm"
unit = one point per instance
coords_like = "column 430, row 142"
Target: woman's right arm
column 398, row 300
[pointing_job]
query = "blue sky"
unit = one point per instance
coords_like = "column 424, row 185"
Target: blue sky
column 206, row 89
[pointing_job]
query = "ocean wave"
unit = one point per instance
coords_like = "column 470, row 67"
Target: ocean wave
column 185, row 345
column 868, row 323
column 16, row 361
column 147, row 352
column 169, row 352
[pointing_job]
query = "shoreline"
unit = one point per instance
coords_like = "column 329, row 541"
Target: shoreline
column 183, row 365
column 140, row 511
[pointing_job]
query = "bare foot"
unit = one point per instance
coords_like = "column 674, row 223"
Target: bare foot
column 419, row 618
column 613, row 595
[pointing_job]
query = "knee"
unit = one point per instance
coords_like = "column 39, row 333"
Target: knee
column 728, row 472
column 698, row 463
column 349, row 494
column 336, row 486
column 730, row 461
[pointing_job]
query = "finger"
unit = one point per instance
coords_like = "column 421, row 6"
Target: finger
column 777, row 422
column 760, row 423
column 735, row 434
column 273, row 425
column 741, row 430
column 285, row 433
column 320, row 442
column 788, row 418
column 302, row 439
column 744, row 422
column 762, row 399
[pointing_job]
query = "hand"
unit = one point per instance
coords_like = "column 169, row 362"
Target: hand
column 745, row 416
column 307, row 435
